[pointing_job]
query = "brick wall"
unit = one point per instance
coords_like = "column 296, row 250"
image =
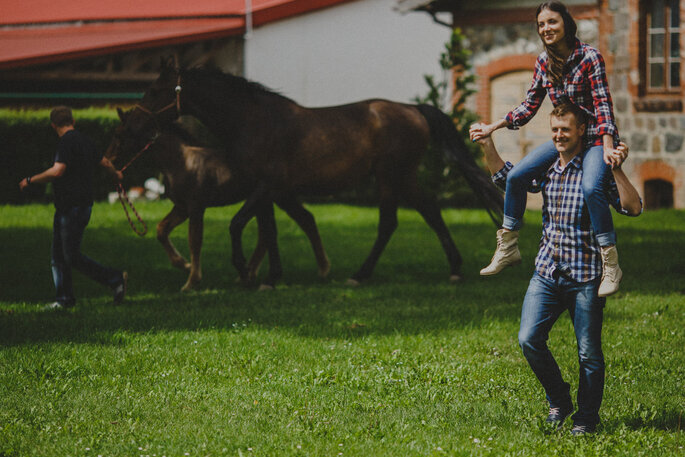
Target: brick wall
column 651, row 125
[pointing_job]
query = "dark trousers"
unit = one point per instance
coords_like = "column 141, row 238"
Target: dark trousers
column 67, row 233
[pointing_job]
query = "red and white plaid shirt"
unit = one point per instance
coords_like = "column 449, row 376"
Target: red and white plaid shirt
column 584, row 84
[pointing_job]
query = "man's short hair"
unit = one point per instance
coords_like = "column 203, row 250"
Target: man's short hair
column 61, row 116
column 570, row 108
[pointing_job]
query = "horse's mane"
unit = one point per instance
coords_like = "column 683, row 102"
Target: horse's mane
column 236, row 84
column 192, row 132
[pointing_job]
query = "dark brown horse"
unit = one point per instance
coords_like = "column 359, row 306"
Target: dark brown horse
column 198, row 177
column 291, row 150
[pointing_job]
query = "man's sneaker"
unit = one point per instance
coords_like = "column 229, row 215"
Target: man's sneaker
column 507, row 253
column 120, row 289
column 580, row 430
column 56, row 306
column 611, row 272
column 557, row 415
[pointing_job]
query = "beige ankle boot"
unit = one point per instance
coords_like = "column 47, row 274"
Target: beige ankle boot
column 507, row 253
column 611, row 272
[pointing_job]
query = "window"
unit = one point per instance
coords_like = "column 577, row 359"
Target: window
column 662, row 46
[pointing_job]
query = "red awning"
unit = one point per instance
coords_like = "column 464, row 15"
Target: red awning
column 20, row 48
column 44, row 31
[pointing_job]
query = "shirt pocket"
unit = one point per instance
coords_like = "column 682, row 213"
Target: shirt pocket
column 577, row 83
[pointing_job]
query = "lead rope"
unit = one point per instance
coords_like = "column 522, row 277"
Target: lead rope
column 123, row 198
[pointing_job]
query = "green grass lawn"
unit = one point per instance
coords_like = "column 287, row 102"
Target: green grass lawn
column 405, row 365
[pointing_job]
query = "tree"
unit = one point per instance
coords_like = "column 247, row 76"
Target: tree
column 449, row 95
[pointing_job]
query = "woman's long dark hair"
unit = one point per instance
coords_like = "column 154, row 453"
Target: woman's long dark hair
column 555, row 68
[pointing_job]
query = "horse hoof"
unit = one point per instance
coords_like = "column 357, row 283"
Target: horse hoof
column 264, row 287
column 188, row 288
column 352, row 282
column 323, row 272
column 455, row 278
column 181, row 264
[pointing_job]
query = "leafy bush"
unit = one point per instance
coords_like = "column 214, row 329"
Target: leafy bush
column 449, row 94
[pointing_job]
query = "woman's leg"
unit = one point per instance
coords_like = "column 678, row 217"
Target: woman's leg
column 519, row 180
column 596, row 174
column 532, row 166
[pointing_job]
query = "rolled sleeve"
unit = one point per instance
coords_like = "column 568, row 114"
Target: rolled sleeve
column 614, row 199
column 500, row 178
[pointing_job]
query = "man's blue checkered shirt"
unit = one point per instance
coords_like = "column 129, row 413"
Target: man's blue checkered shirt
column 567, row 235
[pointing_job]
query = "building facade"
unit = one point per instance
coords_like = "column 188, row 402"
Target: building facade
column 642, row 42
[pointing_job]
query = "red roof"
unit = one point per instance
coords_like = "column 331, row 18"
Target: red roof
column 43, row 31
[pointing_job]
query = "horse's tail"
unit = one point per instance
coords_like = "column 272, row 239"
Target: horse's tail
column 445, row 135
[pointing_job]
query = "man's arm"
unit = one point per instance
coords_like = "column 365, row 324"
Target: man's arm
column 52, row 173
column 627, row 194
column 109, row 167
column 492, row 158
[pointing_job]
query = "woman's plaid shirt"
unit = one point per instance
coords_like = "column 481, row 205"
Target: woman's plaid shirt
column 585, row 84
column 567, row 236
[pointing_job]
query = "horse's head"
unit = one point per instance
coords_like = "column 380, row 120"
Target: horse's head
column 141, row 125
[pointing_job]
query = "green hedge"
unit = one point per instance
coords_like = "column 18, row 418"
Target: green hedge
column 28, row 147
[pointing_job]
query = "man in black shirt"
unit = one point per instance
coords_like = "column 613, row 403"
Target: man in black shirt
column 72, row 176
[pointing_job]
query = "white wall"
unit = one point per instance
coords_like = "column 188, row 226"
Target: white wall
column 345, row 53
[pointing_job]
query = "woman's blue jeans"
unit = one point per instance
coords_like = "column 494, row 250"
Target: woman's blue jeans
column 67, row 233
column 596, row 174
column 545, row 301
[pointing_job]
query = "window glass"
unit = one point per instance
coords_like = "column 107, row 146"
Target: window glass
column 675, row 74
column 656, row 75
column 657, row 13
column 656, row 45
column 675, row 45
column 675, row 13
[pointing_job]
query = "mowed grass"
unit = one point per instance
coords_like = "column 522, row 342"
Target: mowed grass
column 405, row 365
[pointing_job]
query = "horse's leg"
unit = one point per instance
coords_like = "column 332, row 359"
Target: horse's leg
column 430, row 211
column 175, row 217
column 195, row 234
column 238, row 223
column 257, row 256
column 386, row 226
column 267, row 224
column 306, row 221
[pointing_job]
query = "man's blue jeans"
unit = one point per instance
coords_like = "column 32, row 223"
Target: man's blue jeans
column 67, row 232
column 596, row 174
column 545, row 301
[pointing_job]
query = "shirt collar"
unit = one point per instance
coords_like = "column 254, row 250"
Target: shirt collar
column 576, row 162
column 576, row 53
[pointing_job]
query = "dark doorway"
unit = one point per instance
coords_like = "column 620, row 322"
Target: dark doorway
column 658, row 194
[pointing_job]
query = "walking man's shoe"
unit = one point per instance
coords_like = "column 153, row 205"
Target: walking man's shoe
column 507, row 253
column 557, row 415
column 611, row 272
column 55, row 306
column 120, row 289
column 580, row 430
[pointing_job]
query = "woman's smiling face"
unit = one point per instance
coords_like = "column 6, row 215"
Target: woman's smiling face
column 550, row 27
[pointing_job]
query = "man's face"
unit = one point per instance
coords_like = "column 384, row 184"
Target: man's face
column 566, row 133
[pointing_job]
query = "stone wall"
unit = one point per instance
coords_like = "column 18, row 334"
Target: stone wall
column 655, row 137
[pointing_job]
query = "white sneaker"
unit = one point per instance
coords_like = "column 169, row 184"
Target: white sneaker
column 507, row 253
column 55, row 306
column 611, row 272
